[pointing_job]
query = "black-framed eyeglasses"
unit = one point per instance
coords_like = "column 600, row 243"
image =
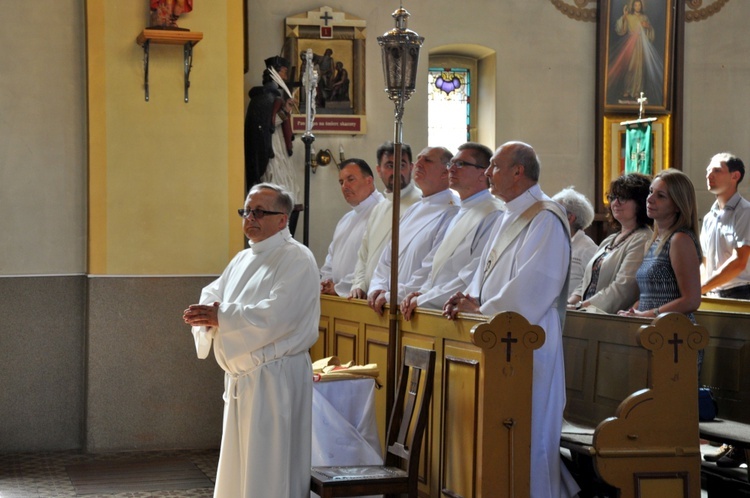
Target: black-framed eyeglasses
column 621, row 198
column 257, row 213
column 460, row 164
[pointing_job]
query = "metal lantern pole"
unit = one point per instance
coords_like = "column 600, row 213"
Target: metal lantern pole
column 400, row 49
column 310, row 81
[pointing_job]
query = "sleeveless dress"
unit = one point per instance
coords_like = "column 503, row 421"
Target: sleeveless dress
column 656, row 278
column 657, row 281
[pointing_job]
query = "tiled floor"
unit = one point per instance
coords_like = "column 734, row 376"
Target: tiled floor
column 44, row 475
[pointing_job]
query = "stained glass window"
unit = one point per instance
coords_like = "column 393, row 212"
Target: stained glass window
column 448, row 99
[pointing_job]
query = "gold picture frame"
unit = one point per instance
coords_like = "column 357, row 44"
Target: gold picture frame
column 637, row 42
column 335, row 38
column 613, row 147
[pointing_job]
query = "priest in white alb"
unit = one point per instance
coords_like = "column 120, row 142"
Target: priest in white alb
column 450, row 266
column 524, row 269
column 421, row 228
column 378, row 231
column 358, row 187
column 261, row 315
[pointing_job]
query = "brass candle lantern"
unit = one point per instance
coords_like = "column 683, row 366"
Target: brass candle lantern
column 400, row 50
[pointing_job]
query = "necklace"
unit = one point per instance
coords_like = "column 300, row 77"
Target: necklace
column 612, row 244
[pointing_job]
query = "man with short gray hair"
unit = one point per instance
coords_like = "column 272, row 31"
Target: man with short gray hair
column 261, row 316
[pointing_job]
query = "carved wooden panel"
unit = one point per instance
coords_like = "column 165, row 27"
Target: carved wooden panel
column 575, row 366
column 376, row 351
column 345, row 334
column 657, row 485
column 461, row 367
column 621, row 370
column 726, row 364
column 320, row 348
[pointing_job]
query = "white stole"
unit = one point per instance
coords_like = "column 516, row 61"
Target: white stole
column 513, row 230
column 460, row 229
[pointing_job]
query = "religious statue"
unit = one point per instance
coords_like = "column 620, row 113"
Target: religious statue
column 324, row 64
column 164, row 13
column 268, row 132
column 340, row 83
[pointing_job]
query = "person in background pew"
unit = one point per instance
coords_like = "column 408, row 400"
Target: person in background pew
column 580, row 215
column 524, row 268
column 608, row 282
column 358, row 187
column 725, row 236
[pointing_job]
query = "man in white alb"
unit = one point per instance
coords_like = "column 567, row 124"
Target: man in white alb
column 450, row 266
column 378, row 231
column 421, row 228
column 262, row 317
column 524, row 268
column 358, row 187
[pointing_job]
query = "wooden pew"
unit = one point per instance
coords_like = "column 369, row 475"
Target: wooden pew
column 477, row 442
column 636, row 383
column 726, row 368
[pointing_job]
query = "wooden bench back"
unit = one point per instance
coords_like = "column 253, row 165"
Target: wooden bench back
column 477, row 440
column 649, row 446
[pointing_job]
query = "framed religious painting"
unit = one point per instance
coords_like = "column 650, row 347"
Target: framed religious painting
column 337, row 43
column 637, row 40
column 648, row 155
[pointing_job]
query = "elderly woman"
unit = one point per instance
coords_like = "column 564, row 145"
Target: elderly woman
column 609, row 282
column 580, row 215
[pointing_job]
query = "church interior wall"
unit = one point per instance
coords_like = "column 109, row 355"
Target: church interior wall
column 104, row 348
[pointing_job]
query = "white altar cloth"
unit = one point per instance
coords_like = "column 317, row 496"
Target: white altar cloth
column 344, row 428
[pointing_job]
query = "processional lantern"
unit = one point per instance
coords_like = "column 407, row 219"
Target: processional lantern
column 400, row 49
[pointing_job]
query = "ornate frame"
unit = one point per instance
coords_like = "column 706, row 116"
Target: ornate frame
column 345, row 35
column 614, row 140
column 660, row 14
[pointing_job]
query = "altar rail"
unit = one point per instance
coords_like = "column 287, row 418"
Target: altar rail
column 477, row 441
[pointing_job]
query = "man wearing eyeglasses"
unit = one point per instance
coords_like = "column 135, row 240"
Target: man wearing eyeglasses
column 358, row 187
column 378, row 231
column 262, row 317
column 421, row 228
column 451, row 265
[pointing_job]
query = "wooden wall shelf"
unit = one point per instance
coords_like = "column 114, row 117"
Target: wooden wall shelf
column 187, row 39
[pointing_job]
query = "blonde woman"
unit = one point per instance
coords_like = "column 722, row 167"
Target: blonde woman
column 669, row 277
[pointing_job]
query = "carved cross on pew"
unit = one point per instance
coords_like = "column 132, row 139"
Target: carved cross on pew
column 326, row 17
column 509, row 340
column 676, row 342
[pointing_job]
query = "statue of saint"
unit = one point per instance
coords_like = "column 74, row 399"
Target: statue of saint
column 164, row 13
column 268, row 132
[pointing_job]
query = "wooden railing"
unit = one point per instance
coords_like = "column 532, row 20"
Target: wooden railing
column 479, row 429
column 477, row 441
column 636, row 382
